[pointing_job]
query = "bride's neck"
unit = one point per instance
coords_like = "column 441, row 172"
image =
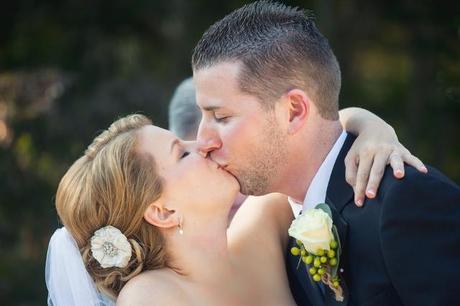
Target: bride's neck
column 200, row 253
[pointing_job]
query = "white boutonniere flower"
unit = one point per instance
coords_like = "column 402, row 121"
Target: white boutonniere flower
column 318, row 246
column 110, row 247
column 314, row 229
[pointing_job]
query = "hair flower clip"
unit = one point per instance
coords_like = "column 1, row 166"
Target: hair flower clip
column 110, row 247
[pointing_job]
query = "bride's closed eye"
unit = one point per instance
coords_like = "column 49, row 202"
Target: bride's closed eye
column 185, row 154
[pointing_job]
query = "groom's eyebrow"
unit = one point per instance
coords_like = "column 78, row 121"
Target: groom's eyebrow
column 210, row 108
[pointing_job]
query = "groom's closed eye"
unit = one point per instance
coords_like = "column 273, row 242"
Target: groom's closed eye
column 221, row 118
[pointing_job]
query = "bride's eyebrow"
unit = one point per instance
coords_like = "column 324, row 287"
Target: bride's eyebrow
column 173, row 144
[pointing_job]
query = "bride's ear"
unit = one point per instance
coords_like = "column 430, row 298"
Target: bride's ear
column 160, row 216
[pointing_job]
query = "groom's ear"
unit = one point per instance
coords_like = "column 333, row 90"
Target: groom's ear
column 160, row 216
column 299, row 106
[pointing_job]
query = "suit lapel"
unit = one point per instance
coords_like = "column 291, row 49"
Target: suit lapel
column 338, row 190
column 339, row 193
column 342, row 230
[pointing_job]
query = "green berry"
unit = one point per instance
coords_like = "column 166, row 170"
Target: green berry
column 303, row 253
column 299, row 243
column 323, row 259
column 321, row 271
column 312, row 271
column 309, row 259
column 320, row 252
column 331, row 253
column 317, row 262
column 333, row 262
column 304, row 259
column 316, row 277
column 295, row 251
column 333, row 244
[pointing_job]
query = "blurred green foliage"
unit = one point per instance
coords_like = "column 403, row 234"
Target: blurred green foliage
column 69, row 68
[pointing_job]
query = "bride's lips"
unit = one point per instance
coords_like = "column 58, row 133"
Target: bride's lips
column 221, row 167
column 224, row 168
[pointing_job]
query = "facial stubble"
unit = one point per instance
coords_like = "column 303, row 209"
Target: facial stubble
column 264, row 161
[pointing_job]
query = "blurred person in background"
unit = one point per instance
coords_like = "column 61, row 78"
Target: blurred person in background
column 184, row 115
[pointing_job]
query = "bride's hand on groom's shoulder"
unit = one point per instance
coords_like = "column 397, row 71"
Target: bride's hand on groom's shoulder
column 367, row 159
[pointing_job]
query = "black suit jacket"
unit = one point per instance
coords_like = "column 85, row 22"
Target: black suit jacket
column 401, row 248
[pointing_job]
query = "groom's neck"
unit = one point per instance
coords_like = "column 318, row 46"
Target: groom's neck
column 314, row 145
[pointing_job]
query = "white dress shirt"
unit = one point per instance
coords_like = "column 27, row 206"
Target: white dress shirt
column 316, row 192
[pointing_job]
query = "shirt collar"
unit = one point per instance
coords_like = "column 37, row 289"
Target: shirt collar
column 316, row 192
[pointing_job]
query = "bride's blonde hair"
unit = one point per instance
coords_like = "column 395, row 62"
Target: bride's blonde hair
column 112, row 184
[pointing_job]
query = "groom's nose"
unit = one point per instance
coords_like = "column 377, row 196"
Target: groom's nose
column 205, row 147
column 208, row 141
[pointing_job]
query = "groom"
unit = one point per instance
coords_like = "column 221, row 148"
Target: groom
column 268, row 86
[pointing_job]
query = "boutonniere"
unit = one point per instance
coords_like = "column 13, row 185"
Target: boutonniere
column 318, row 246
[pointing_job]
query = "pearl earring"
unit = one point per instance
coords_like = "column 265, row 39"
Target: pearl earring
column 179, row 226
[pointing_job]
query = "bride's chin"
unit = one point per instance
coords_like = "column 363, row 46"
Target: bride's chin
column 236, row 186
column 232, row 189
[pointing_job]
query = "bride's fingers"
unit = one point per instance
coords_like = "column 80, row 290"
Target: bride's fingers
column 397, row 164
column 414, row 162
column 351, row 167
column 364, row 168
column 397, row 161
column 376, row 174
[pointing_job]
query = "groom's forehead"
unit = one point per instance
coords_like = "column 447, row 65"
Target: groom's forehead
column 218, row 89
column 235, row 103
column 212, row 101
column 220, row 76
column 225, row 107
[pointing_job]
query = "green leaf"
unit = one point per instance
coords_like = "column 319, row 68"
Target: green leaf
column 338, row 252
column 298, row 263
column 324, row 207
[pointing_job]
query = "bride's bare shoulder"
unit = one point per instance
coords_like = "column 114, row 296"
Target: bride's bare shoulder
column 262, row 217
column 266, row 208
column 151, row 287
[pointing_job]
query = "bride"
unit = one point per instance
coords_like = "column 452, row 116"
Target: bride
column 145, row 220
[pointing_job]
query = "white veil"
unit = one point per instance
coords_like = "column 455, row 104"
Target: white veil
column 67, row 280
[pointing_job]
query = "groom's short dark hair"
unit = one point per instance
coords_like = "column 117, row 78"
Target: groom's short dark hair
column 280, row 48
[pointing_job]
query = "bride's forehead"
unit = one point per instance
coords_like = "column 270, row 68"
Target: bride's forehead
column 151, row 135
column 155, row 131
